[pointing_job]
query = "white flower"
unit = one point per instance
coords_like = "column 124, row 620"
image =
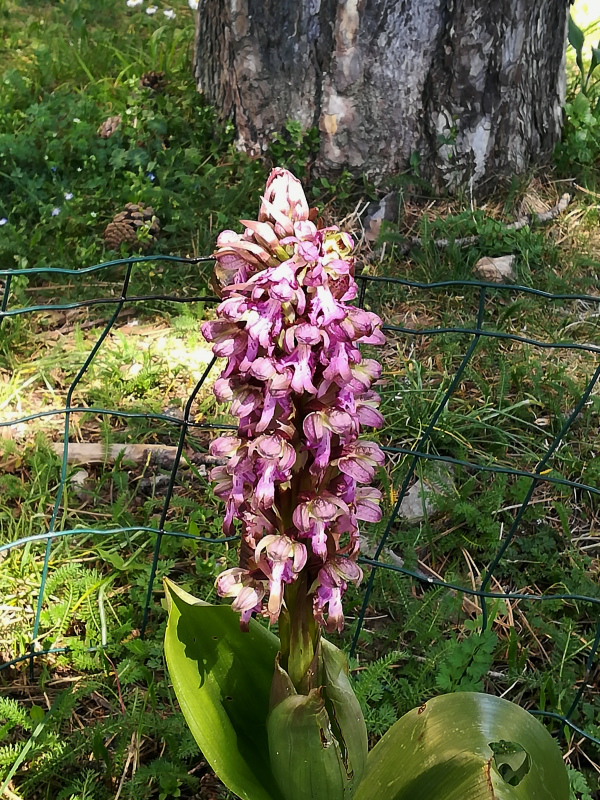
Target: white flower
column 169, row 13
column 151, row 10
column 55, row 212
column 3, row 221
column 68, row 195
column 134, row 3
column 193, row 4
column 76, row 120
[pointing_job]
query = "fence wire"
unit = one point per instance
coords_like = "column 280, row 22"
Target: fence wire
column 371, row 288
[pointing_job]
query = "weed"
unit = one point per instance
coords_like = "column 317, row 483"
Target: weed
column 581, row 137
column 294, row 148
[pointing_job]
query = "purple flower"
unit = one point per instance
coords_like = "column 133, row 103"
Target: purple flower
column 359, row 461
column 331, row 583
column 367, row 504
column 247, row 593
column 313, row 518
column 297, row 474
column 281, row 559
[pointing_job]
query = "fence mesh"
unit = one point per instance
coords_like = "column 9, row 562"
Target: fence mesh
column 407, row 459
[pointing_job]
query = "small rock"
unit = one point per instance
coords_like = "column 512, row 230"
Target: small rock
column 419, row 502
column 495, row 270
column 385, row 209
column 77, row 485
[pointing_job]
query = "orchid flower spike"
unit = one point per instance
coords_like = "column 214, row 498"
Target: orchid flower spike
column 298, row 472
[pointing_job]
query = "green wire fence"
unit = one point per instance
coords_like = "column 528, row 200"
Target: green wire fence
column 371, row 289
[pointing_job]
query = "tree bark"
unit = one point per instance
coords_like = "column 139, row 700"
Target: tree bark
column 465, row 90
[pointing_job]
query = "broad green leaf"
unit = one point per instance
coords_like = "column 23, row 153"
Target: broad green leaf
column 344, row 710
column 114, row 559
column 581, row 105
column 222, row 678
column 317, row 742
column 465, row 746
column 305, row 756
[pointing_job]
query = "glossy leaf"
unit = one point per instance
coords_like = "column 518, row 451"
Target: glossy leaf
column 318, row 741
column 465, row 746
column 222, row 678
column 344, row 709
column 305, row 756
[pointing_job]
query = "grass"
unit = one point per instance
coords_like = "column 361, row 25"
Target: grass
column 100, row 721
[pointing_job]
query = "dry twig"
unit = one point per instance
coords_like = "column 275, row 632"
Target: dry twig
column 156, row 455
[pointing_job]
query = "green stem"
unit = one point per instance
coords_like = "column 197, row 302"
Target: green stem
column 298, row 630
column 299, row 634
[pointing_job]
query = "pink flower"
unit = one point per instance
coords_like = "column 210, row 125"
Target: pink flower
column 313, row 517
column 247, row 593
column 360, row 460
column 281, row 559
column 298, row 383
column 301, row 361
column 367, row 504
column 284, row 202
column 367, row 412
column 331, row 583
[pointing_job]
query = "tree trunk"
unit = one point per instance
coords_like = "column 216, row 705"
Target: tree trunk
column 468, row 90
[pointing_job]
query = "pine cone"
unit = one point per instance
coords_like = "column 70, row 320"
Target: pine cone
column 133, row 220
column 155, row 81
column 110, row 126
